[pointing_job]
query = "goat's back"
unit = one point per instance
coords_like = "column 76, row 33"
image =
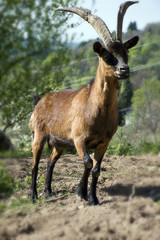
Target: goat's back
column 57, row 112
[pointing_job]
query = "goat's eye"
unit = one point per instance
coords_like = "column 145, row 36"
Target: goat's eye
column 106, row 57
column 110, row 59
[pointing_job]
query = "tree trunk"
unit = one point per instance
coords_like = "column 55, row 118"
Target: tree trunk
column 5, row 143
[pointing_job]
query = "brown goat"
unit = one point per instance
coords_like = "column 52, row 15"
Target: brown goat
column 86, row 118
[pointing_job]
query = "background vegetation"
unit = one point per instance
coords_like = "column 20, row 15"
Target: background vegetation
column 37, row 57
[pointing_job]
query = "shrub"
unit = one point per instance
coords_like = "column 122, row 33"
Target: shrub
column 121, row 149
column 149, row 147
column 6, row 182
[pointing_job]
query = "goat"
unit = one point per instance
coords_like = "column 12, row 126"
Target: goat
column 86, row 118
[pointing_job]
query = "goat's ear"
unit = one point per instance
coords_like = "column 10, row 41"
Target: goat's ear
column 97, row 47
column 132, row 42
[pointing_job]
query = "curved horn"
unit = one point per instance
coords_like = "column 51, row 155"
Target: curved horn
column 94, row 20
column 121, row 13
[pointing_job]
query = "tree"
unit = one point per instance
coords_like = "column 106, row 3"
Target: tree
column 146, row 107
column 31, row 51
column 5, row 143
column 124, row 101
column 132, row 26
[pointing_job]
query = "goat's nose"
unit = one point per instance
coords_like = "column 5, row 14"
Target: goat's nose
column 124, row 69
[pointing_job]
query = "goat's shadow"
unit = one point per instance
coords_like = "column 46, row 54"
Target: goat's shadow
column 149, row 191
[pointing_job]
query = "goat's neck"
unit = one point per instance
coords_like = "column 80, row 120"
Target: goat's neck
column 106, row 86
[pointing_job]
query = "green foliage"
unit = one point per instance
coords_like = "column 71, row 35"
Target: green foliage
column 23, row 204
column 16, row 193
column 121, row 149
column 126, row 94
column 129, row 148
column 6, row 182
column 146, row 102
column 147, row 51
column 127, row 141
column 21, row 185
column 132, row 26
column 35, row 59
column 149, row 147
column 124, row 100
column 30, row 31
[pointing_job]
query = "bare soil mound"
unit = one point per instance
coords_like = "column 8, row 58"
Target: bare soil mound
column 128, row 191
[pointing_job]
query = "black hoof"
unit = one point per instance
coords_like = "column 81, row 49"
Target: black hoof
column 93, row 201
column 33, row 197
column 48, row 194
column 82, row 194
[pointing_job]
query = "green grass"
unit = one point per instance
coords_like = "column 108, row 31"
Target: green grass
column 16, row 153
column 8, row 187
column 23, row 204
column 12, row 190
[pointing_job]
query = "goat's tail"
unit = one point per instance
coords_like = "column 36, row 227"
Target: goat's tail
column 36, row 99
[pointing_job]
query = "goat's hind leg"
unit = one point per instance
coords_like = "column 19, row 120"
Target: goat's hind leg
column 37, row 147
column 55, row 155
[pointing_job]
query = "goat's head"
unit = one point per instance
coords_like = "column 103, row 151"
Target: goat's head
column 114, row 52
column 115, row 55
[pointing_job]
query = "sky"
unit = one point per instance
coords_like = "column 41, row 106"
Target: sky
column 146, row 11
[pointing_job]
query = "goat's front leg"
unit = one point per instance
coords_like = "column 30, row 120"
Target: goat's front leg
column 88, row 164
column 83, row 185
column 98, row 156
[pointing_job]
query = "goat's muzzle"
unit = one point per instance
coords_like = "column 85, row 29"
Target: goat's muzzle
column 122, row 72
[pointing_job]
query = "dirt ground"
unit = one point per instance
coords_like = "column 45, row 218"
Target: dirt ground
column 128, row 192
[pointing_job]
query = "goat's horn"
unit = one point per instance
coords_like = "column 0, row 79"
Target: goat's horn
column 121, row 13
column 94, row 20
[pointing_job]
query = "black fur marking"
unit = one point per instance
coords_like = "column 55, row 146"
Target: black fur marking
column 96, row 171
column 61, row 142
column 88, row 161
column 48, row 190
column 82, row 188
column 35, row 171
column 93, row 200
column 34, row 177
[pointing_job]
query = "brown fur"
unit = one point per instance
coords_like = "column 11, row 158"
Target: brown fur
column 85, row 118
column 84, row 115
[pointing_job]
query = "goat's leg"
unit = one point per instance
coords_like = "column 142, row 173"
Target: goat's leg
column 83, row 185
column 98, row 156
column 88, row 164
column 37, row 147
column 93, row 200
column 82, row 152
column 56, row 153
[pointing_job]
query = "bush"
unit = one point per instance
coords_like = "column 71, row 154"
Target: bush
column 6, row 182
column 130, row 149
column 121, row 149
column 149, row 147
